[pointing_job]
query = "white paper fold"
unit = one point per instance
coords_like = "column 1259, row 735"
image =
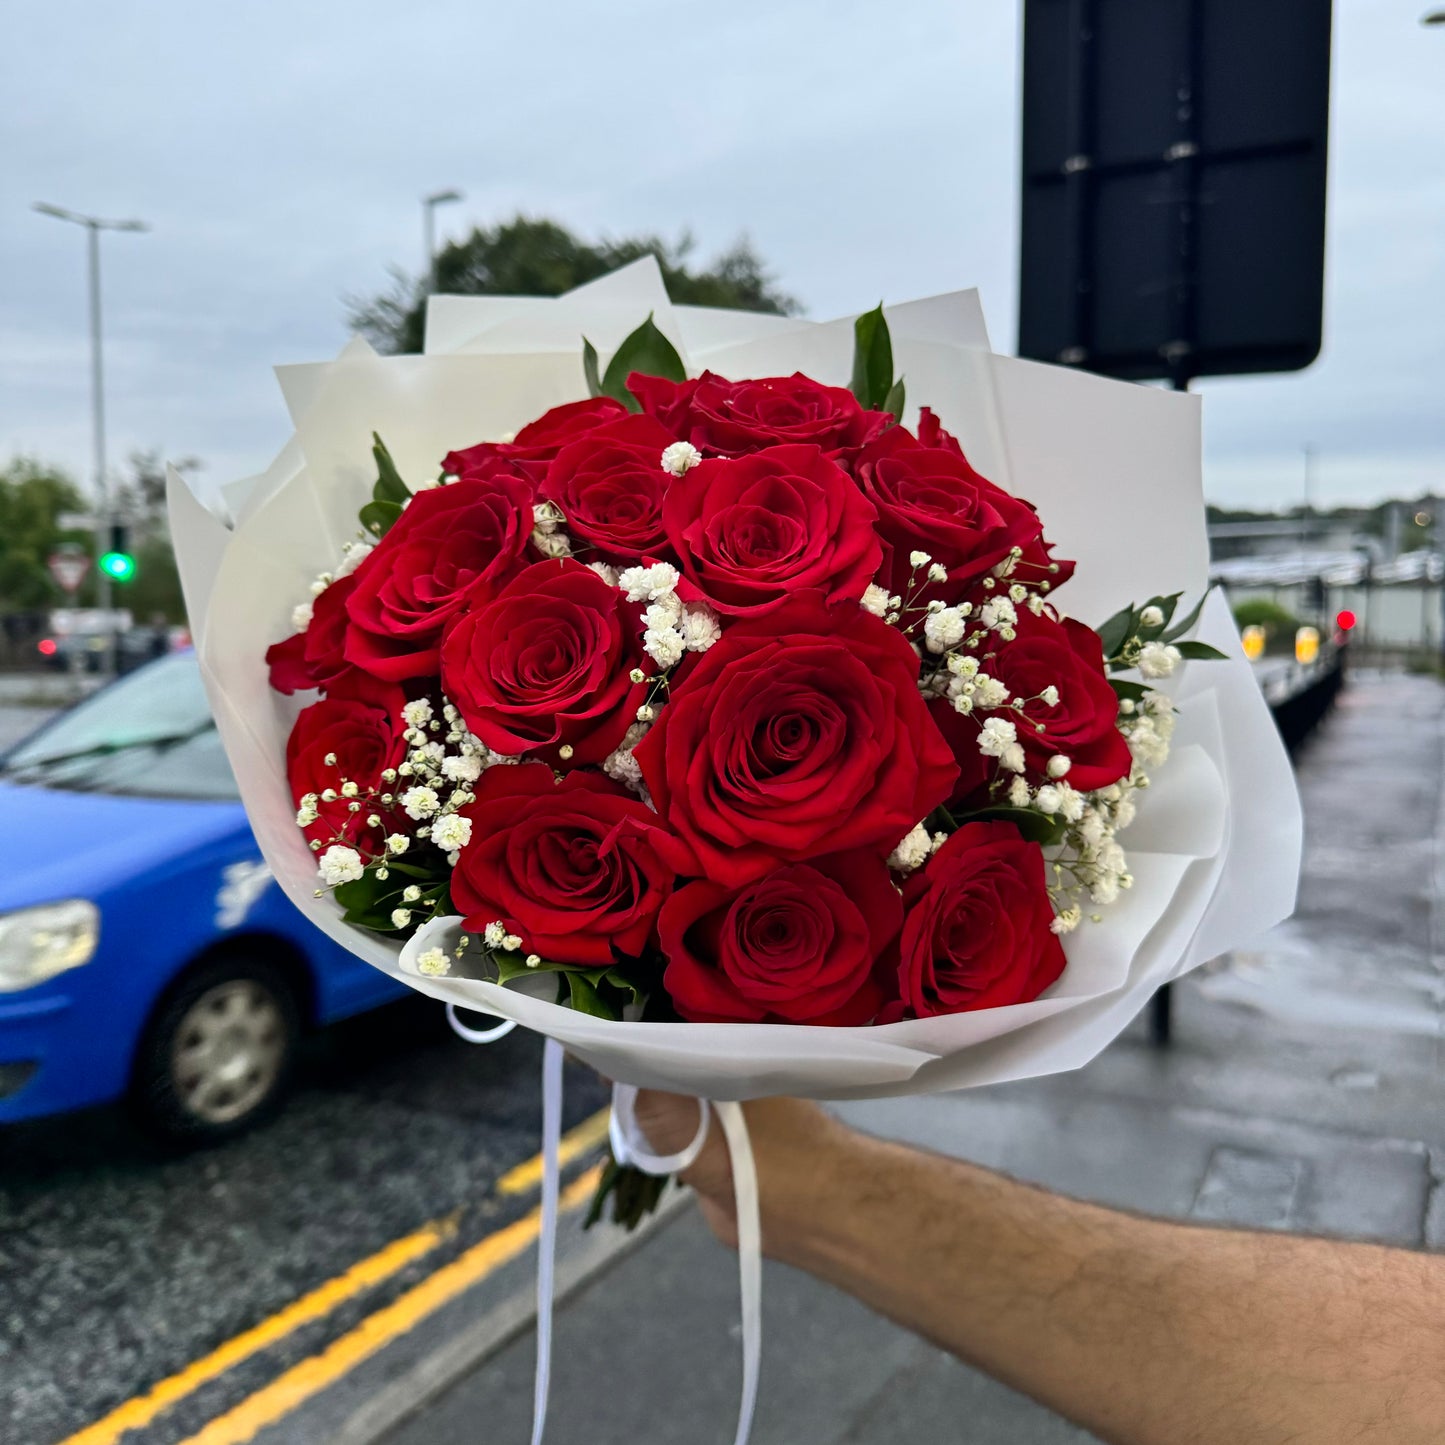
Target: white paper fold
column 1113, row 468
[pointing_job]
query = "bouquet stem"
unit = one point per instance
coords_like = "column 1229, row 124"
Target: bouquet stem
column 634, row 1195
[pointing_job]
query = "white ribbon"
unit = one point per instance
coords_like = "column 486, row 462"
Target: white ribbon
column 478, row 1036
column 547, row 1240
column 630, row 1147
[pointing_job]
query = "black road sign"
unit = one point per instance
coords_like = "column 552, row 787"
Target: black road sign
column 1174, row 185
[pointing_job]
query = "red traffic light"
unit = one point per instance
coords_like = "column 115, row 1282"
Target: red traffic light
column 1345, row 620
column 46, row 647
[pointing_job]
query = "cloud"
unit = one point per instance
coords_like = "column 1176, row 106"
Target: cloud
column 280, row 150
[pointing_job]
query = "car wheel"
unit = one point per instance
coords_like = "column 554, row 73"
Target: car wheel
column 219, row 1054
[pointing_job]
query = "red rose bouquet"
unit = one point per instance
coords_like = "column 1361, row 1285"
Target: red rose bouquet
column 722, row 702
column 740, row 730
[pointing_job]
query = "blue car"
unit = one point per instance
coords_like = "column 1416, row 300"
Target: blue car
column 146, row 953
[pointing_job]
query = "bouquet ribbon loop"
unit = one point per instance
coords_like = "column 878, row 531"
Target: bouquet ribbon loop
column 630, row 1147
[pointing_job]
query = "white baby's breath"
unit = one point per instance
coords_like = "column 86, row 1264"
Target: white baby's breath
column 680, row 458
column 339, row 864
column 433, row 962
column 420, row 803
column 874, row 599
column 1158, row 659
column 451, row 832
column 912, row 851
column 646, row 584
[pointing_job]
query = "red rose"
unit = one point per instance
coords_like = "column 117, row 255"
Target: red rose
column 360, row 722
column 578, row 868
column 799, row 945
column 751, row 532
column 610, row 486
column 929, row 499
column 799, row 733
column 314, row 658
column 547, row 664
column 539, row 441
column 976, row 927
column 453, row 547
column 1081, row 725
column 931, row 433
column 731, row 418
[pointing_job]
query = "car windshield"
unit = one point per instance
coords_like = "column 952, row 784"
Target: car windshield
column 149, row 734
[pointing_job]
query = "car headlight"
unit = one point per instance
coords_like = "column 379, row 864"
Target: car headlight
column 38, row 943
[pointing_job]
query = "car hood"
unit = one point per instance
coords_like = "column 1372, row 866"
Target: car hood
column 82, row 845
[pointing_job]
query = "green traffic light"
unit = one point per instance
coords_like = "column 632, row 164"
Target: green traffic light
column 119, row 566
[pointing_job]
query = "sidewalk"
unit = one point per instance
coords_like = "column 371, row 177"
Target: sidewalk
column 1303, row 1091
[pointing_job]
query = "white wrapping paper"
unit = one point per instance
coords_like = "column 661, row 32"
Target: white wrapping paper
column 1113, row 468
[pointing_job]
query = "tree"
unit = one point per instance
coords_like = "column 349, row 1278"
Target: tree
column 32, row 497
column 527, row 257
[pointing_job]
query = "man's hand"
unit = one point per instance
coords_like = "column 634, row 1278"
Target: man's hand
column 790, row 1140
column 1145, row 1332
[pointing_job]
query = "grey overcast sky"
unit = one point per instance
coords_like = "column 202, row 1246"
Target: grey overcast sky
column 279, row 150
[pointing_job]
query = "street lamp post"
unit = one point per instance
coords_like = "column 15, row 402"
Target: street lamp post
column 428, row 224
column 94, row 225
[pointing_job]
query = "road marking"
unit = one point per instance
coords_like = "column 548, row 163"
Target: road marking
column 286, row 1393
column 139, row 1411
column 575, row 1142
column 142, row 1409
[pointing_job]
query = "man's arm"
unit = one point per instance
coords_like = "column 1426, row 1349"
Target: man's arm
column 1145, row 1332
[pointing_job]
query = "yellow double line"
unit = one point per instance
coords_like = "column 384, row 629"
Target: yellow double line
column 298, row 1384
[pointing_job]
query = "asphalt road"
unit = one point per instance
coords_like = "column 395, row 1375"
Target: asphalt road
column 120, row 1264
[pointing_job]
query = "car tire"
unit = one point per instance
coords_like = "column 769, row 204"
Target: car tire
column 218, row 1055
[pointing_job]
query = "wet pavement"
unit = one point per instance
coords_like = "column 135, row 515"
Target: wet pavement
column 121, row 1264
column 1302, row 1092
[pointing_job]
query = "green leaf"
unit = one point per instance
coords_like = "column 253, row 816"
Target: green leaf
column 587, row 999
column 389, row 485
column 872, row 359
column 646, row 350
column 589, row 368
column 1134, row 691
column 1200, row 652
column 894, row 401
column 368, row 902
column 1036, row 827
column 378, row 518
column 940, row 820
column 1180, row 628
column 1117, row 630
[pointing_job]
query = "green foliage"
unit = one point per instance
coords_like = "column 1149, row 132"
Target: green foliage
column 1121, row 635
column 388, row 496
column 533, row 257
column 873, row 382
column 646, row 350
column 32, row 497
column 1037, row 827
column 603, row 992
column 368, row 901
